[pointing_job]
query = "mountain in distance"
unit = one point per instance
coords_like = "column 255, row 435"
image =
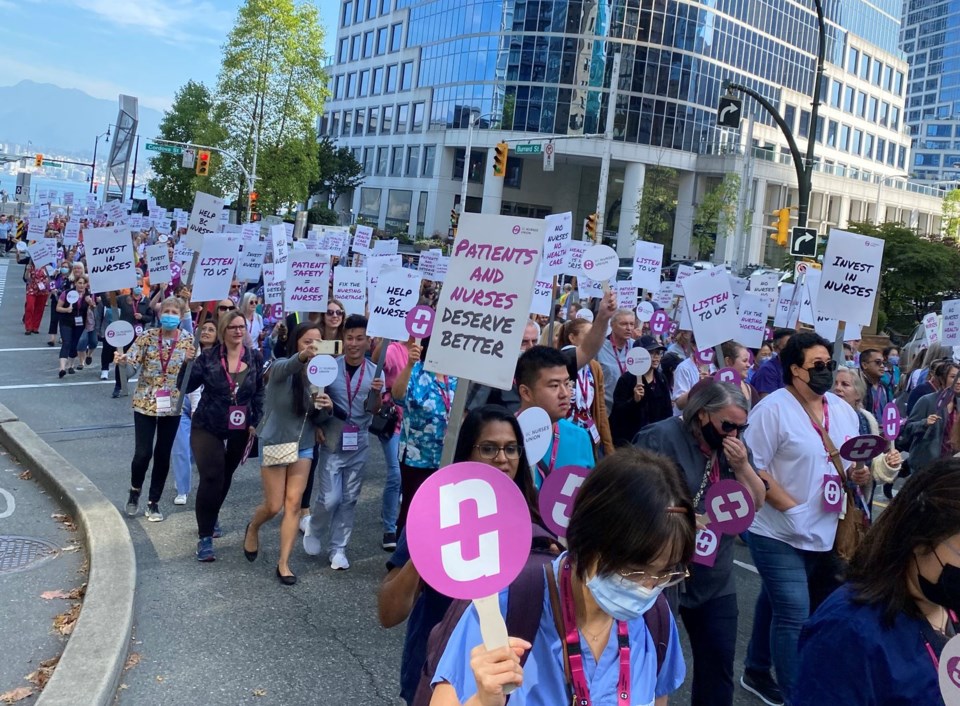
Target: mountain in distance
column 62, row 120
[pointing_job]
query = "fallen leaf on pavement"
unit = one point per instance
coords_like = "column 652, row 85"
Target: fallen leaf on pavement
column 66, row 520
column 74, row 594
column 18, row 694
column 259, row 692
column 159, row 679
column 66, row 621
column 43, row 673
column 132, row 661
column 26, row 475
column 50, row 595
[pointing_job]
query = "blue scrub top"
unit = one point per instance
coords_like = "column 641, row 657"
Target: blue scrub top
column 543, row 680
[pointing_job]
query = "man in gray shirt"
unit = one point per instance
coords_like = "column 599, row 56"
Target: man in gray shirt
column 613, row 353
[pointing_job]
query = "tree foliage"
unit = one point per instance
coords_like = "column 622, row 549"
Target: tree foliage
column 951, row 216
column 917, row 273
column 716, row 214
column 271, row 87
column 189, row 119
column 657, row 205
column 338, row 171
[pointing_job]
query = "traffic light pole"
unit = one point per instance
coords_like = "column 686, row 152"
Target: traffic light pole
column 607, row 145
column 246, row 174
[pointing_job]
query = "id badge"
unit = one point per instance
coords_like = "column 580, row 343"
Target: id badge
column 351, row 438
column 832, row 494
column 41, row 286
column 163, row 401
column 237, row 418
column 78, row 321
column 594, row 432
column 138, row 329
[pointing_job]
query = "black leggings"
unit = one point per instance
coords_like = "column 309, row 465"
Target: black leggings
column 217, row 459
column 308, row 489
column 106, row 357
column 54, row 317
column 70, row 335
column 712, row 628
column 145, row 428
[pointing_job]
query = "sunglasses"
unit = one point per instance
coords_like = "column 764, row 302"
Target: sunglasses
column 730, row 426
column 820, row 366
column 334, row 312
column 226, row 308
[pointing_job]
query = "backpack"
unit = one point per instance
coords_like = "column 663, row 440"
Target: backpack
column 526, row 591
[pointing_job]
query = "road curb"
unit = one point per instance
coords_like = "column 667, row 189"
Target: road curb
column 92, row 662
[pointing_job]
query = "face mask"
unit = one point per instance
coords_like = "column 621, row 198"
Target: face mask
column 64, row 270
column 820, row 380
column 169, row 321
column 710, row 435
column 621, row 598
column 763, row 359
column 894, row 360
column 946, row 591
column 137, row 291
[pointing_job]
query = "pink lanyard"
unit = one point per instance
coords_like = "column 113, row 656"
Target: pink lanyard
column 584, row 382
column 547, row 470
column 826, row 428
column 351, row 398
column 574, row 656
column 165, row 363
column 932, row 652
column 226, row 371
column 444, row 393
column 616, row 354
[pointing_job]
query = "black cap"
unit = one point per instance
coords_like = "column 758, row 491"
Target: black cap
column 650, row 343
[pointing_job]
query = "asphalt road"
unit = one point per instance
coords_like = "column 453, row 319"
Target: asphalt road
column 227, row 633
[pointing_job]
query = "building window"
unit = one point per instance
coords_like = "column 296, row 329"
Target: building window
column 384, row 6
column 354, row 47
column 396, row 37
column 358, row 15
column 421, row 213
column 370, row 204
column 374, row 121
column 391, row 85
column 429, row 158
column 417, row 122
column 343, row 53
column 347, row 123
column 887, row 77
column 359, row 122
column 845, row 138
column 514, row 173
column 835, row 89
column 338, row 87
column 875, row 73
column 477, row 160
column 413, row 161
column 895, row 118
column 872, row 109
column 853, row 58
column 848, row 94
column 377, row 83
column 363, row 87
column 804, row 128
column 790, row 115
column 865, row 67
column 898, row 84
column 351, row 85
column 861, row 104
column 347, row 14
column 396, row 162
column 857, row 146
column 381, row 41
column 403, row 118
column 387, row 125
column 382, row 154
column 868, row 146
column 398, row 211
column 406, row 76
column 368, row 44
column 367, row 161
column 881, row 149
column 832, row 133
column 371, row 9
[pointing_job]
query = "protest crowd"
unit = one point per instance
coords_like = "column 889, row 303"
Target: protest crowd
column 640, row 429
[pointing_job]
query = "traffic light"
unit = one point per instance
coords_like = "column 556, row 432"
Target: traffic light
column 500, row 159
column 203, row 163
column 38, row 162
column 782, row 226
column 592, row 226
column 454, row 218
column 253, row 200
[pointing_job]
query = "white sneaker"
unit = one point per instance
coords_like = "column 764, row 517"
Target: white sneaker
column 311, row 544
column 104, row 375
column 181, row 499
column 338, row 560
column 304, row 523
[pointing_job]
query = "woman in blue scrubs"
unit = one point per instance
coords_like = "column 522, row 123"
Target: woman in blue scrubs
column 630, row 536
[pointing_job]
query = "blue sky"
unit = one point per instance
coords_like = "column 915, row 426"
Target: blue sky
column 144, row 48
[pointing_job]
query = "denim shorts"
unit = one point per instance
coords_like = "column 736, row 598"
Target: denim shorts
column 306, row 453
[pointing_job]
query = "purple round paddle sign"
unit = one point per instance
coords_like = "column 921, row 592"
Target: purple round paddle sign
column 420, row 321
column 891, row 421
column 728, row 375
column 863, row 449
column 705, row 356
column 557, row 495
column 469, row 530
column 948, row 672
column 659, row 322
column 705, row 547
column 730, row 507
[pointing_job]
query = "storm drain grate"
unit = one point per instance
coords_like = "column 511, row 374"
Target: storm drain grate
column 21, row 553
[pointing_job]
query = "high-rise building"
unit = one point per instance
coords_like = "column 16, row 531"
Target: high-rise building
column 414, row 82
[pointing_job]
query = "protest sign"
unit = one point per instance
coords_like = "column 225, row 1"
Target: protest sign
column 334, row 242
column 850, row 277
column 71, row 234
column 386, row 247
column 396, row 293
column 272, row 287
column 542, row 295
column 158, row 264
column 752, row 320
column 557, row 495
column 307, row 281
column 440, row 270
column 645, row 311
column 537, row 432
column 667, row 293
column 68, row 198
column 278, row 239
column 204, row 219
column 558, row 232
column 36, row 228
column 182, row 252
column 950, row 330
column 626, row 295
column 574, row 265
column 427, row 264
column 765, row 285
column 249, row 233
column 115, row 212
column 931, row 328
column 588, row 288
column 361, row 239
column 709, row 305
column 785, row 307
column 322, row 370
column 647, row 263
column 215, row 268
column 376, row 263
column 350, row 288
column 481, row 312
column 684, row 271
column 251, row 261
column 109, row 258
column 43, row 252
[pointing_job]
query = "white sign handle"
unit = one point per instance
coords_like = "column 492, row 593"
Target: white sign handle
column 493, row 628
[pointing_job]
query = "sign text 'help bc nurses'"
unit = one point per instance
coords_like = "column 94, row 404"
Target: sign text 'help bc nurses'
column 486, row 302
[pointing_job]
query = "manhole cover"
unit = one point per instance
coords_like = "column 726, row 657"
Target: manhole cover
column 20, row 553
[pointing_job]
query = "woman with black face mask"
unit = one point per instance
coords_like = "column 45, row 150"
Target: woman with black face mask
column 878, row 640
column 705, row 444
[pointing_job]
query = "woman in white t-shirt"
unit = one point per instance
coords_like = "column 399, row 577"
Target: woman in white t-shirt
column 791, row 539
column 254, row 321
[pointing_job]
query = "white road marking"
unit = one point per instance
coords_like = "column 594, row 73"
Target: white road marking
column 10, row 503
column 53, row 349
column 748, row 567
column 56, row 384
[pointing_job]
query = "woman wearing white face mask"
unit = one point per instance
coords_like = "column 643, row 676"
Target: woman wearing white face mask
column 596, row 598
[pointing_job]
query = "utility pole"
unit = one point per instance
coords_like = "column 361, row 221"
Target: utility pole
column 607, row 145
column 741, row 239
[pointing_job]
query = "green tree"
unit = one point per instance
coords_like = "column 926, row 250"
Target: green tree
column 951, row 216
column 916, row 275
column 657, row 205
column 188, row 120
column 338, row 171
column 271, row 86
column 716, row 214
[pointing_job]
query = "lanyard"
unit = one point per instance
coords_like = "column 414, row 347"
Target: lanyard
column 135, row 304
column 165, row 363
column 574, row 655
column 547, row 470
column 926, row 640
column 444, row 392
column 351, row 398
column 584, row 383
column 826, row 427
column 616, row 354
column 226, row 371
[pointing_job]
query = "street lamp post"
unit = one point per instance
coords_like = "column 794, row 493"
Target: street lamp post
column 252, row 181
column 93, row 167
column 133, row 180
column 466, row 159
column 880, row 183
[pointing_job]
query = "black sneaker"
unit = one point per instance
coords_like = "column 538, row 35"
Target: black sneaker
column 888, row 491
column 133, row 503
column 763, row 686
column 389, row 542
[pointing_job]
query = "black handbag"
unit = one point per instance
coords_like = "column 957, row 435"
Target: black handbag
column 384, row 422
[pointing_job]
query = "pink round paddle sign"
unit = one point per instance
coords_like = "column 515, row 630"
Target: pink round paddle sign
column 891, row 421
column 863, row 449
column 705, row 356
column 728, row 375
column 469, row 530
column 175, row 269
column 659, row 322
column 706, row 546
column 730, row 507
column 557, row 495
column 420, row 321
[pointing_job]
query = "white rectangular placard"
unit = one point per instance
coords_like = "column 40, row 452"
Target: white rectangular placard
column 483, row 307
column 752, row 320
column 851, row 277
column 71, row 234
column 278, row 239
column 626, row 295
column 109, row 258
column 709, row 304
column 272, row 287
column 43, row 252
column 647, row 263
column 204, row 219
column 542, row 294
column 558, row 231
column 765, row 284
column 215, row 268
column 575, row 261
column 950, row 329
column 307, row 282
column 785, row 316
column 251, row 260
column 361, row 239
column 158, row 263
column 350, row 288
column 931, row 328
column 396, row 293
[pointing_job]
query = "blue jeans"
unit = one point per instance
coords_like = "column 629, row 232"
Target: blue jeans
column 182, row 456
column 789, row 577
column 391, row 488
column 87, row 342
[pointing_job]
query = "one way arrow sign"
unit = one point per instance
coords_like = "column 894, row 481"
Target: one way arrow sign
column 803, row 242
column 728, row 112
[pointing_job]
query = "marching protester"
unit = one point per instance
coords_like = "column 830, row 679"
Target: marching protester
column 762, row 356
column 925, row 378
column 931, row 428
column 391, row 414
column 58, row 285
column 737, row 357
column 688, row 373
column 248, row 307
column 603, row 586
column 160, row 355
column 291, row 414
column 682, row 345
column 332, row 321
column 873, row 368
column 588, row 407
column 638, row 402
column 72, row 307
column 346, row 446
column 224, row 421
column 38, row 285
column 613, row 353
column 769, row 376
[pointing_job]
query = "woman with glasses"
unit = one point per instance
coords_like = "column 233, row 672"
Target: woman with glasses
column 793, row 432
column 594, row 601
column 705, row 444
column 72, row 308
column 331, row 321
column 248, row 307
column 491, row 435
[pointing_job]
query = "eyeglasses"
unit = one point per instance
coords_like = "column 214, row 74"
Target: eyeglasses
column 671, row 578
column 730, row 426
column 488, row 452
column 334, row 312
column 241, row 327
column 820, row 366
column 226, row 308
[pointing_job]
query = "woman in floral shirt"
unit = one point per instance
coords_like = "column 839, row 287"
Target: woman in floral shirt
column 426, row 399
column 159, row 353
